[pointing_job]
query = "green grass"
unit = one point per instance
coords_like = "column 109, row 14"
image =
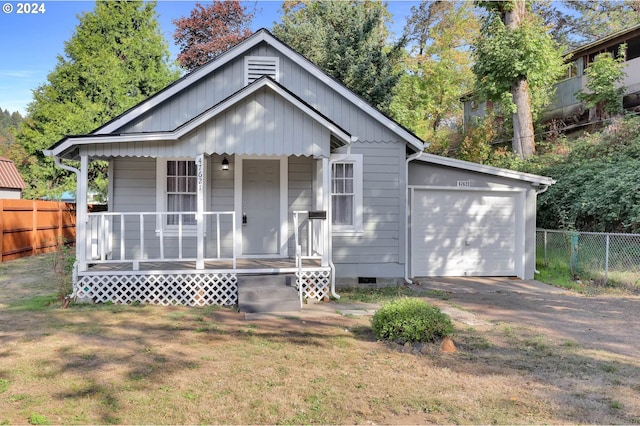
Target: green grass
column 374, row 295
column 558, row 273
column 35, row 304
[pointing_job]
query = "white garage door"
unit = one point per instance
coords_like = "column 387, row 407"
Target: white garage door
column 463, row 233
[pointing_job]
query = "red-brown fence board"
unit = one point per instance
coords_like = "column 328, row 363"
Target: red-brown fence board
column 30, row 227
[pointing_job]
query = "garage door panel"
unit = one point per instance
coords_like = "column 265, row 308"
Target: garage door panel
column 463, row 233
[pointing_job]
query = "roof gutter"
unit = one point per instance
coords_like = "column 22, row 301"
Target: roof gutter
column 407, row 210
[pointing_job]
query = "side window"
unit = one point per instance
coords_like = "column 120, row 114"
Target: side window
column 346, row 193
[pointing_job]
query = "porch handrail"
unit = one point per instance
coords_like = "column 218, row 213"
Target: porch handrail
column 101, row 228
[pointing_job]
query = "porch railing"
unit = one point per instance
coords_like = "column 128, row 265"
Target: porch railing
column 134, row 237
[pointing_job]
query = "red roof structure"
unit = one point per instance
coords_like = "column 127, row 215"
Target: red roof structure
column 9, row 176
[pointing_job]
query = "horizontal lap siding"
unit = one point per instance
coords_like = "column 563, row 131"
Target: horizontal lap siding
column 134, row 190
column 383, row 196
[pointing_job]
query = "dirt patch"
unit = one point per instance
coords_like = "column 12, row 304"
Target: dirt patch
column 178, row 365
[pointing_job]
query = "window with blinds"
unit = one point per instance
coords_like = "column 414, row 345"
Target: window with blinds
column 257, row 66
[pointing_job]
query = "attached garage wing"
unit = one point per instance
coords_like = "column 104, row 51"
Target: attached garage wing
column 466, row 232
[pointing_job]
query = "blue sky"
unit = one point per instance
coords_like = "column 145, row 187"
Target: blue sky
column 31, row 43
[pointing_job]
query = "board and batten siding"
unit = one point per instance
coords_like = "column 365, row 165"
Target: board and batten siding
column 300, row 196
column 262, row 124
column 228, row 79
column 379, row 251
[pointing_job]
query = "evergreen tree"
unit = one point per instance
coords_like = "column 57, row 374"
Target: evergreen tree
column 116, row 58
column 347, row 39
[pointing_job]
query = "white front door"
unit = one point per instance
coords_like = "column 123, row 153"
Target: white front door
column 261, row 207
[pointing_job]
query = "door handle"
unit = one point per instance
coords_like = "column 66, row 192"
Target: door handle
column 244, row 218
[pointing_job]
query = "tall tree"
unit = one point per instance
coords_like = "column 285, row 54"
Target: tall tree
column 605, row 87
column 210, row 30
column 116, row 58
column 438, row 68
column 598, row 18
column 348, row 40
column 516, row 63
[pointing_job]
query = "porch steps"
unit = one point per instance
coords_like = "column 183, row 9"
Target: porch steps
column 267, row 293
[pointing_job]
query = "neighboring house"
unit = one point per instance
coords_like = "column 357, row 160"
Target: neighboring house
column 566, row 107
column 260, row 163
column 11, row 183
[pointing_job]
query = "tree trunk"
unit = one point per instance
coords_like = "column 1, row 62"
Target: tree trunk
column 523, row 140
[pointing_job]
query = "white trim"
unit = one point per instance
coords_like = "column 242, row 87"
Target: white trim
column 161, row 199
column 174, row 135
column 519, row 220
column 284, row 203
column 250, row 61
column 481, row 168
column 259, row 36
column 357, row 228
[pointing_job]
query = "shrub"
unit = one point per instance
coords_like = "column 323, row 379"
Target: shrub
column 410, row 320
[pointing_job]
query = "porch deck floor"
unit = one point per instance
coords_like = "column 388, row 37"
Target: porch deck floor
column 286, row 264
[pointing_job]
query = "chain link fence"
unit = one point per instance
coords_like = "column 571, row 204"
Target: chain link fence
column 605, row 258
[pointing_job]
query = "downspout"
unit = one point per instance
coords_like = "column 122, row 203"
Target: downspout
column 58, row 163
column 538, row 192
column 407, row 257
column 329, row 219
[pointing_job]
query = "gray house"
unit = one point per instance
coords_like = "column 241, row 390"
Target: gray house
column 259, row 163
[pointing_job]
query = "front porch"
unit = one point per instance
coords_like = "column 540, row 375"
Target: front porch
column 122, row 266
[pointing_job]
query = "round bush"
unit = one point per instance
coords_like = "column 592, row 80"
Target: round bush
column 410, row 320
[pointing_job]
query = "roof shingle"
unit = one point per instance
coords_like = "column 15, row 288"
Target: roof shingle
column 9, row 176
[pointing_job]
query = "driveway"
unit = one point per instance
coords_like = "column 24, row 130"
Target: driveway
column 606, row 322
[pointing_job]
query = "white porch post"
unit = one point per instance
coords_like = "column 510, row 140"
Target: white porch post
column 326, row 194
column 83, row 239
column 200, row 170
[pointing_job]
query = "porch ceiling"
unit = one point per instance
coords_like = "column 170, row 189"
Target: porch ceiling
column 263, row 118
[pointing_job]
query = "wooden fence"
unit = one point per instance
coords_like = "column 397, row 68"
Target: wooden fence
column 29, row 227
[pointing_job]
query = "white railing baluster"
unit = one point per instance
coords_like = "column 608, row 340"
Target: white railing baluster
column 180, row 236
column 122, row 233
column 141, row 256
column 218, row 234
column 161, row 232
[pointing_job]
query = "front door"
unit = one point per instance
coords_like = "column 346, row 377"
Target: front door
column 260, row 207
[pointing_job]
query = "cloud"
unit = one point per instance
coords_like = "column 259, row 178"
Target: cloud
column 18, row 73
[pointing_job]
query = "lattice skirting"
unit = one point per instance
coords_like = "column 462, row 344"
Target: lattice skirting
column 161, row 289
column 315, row 283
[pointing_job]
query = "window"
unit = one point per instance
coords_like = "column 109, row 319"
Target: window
column 346, row 193
column 181, row 191
column 257, row 66
column 177, row 191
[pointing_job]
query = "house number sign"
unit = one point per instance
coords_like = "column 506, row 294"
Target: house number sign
column 200, row 172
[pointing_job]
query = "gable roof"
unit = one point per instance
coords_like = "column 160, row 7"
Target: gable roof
column 9, row 176
column 481, row 168
column 69, row 143
column 259, row 36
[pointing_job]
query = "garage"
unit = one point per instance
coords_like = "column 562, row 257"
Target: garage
column 465, row 232
column 468, row 219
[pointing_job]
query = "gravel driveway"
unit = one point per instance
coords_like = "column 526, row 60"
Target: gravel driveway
column 606, row 322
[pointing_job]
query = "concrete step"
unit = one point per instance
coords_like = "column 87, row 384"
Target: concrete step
column 267, row 293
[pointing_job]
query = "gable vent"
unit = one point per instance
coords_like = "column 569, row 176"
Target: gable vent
column 257, row 66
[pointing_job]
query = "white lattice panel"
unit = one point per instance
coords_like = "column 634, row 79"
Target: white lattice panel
column 161, row 289
column 314, row 283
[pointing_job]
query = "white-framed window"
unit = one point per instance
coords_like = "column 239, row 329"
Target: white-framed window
column 177, row 191
column 257, row 66
column 346, row 193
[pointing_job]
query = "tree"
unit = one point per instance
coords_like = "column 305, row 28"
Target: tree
column 210, row 30
column 116, row 58
column 516, row 63
column 604, row 84
column 438, row 69
column 596, row 19
column 347, row 39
